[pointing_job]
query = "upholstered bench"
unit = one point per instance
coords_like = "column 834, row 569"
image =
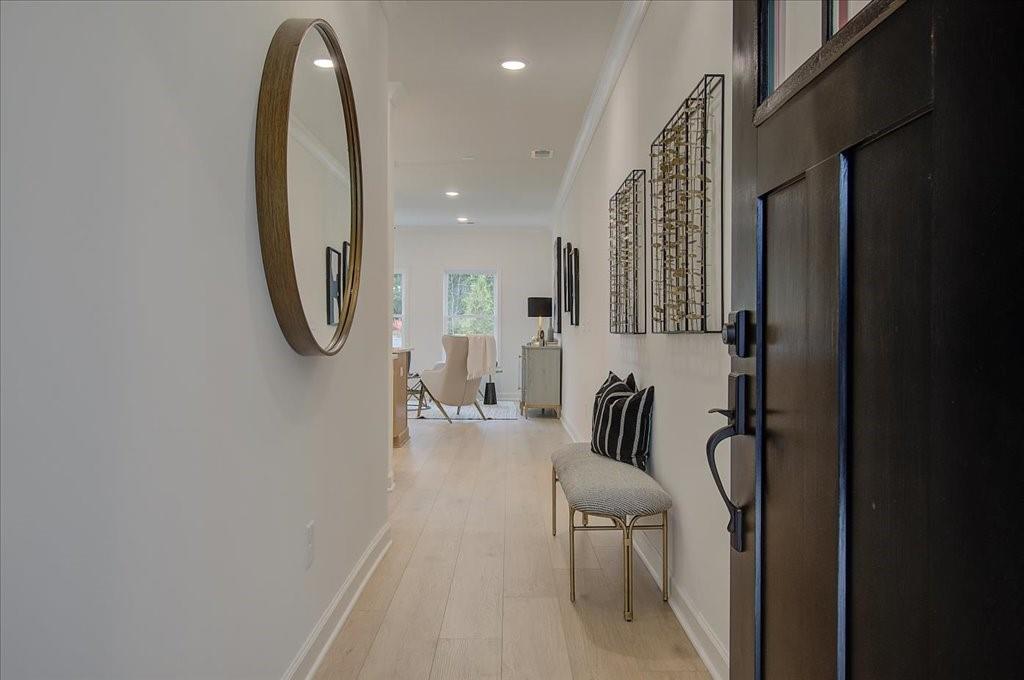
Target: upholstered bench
column 603, row 487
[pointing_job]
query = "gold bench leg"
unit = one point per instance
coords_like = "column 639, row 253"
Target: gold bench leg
column 572, row 555
column 627, row 571
column 554, row 523
column 664, row 556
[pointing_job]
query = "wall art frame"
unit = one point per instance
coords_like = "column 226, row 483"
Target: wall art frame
column 627, row 242
column 686, row 214
column 557, row 296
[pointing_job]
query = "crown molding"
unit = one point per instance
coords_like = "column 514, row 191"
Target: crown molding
column 631, row 16
column 301, row 133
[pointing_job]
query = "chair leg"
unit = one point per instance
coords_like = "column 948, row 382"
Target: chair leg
column 441, row 409
column 458, row 410
column 554, row 480
column 419, row 406
column 627, row 571
column 479, row 409
column 586, row 520
column 572, row 555
column 664, row 556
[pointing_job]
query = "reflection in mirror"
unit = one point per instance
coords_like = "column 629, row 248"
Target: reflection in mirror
column 319, row 187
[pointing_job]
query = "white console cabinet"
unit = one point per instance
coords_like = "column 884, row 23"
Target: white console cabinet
column 541, row 378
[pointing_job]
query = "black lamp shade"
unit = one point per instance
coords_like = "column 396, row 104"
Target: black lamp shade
column 538, row 306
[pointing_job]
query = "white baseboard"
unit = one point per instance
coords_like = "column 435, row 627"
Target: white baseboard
column 710, row 648
column 712, row 652
column 569, row 430
column 314, row 650
column 508, row 396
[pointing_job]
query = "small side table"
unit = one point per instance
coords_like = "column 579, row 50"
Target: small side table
column 540, row 384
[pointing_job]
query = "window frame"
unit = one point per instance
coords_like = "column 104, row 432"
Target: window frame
column 486, row 271
column 405, row 308
column 771, row 96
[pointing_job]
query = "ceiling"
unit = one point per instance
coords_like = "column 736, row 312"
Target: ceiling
column 455, row 101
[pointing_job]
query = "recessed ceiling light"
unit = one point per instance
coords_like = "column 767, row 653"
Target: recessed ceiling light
column 451, row 194
column 462, row 219
column 513, row 65
column 323, row 63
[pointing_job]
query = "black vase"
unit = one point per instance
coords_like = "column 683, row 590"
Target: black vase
column 490, row 394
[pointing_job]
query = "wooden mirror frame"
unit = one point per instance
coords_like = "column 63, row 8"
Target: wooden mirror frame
column 272, row 186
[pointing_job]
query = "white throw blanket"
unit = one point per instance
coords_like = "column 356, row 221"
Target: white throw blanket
column 482, row 357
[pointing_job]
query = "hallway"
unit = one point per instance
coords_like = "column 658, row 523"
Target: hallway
column 475, row 586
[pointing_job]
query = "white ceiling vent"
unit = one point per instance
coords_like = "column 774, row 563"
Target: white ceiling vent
column 541, row 153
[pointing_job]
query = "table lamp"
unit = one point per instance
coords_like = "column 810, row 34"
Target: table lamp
column 539, row 307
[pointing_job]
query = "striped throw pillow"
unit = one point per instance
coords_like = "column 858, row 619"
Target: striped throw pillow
column 612, row 385
column 622, row 428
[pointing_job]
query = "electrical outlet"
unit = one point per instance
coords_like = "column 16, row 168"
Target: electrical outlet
column 309, row 545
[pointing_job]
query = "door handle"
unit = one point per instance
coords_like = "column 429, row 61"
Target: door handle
column 735, row 525
column 739, row 416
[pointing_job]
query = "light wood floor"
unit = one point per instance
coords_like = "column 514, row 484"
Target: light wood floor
column 474, row 585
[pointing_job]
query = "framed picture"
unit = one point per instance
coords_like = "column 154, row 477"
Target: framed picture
column 568, row 280
column 345, row 245
column 557, row 310
column 335, row 275
column 576, row 286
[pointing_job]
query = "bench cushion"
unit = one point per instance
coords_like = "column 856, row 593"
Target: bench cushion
column 595, row 484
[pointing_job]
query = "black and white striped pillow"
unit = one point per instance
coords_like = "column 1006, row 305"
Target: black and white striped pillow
column 612, row 385
column 622, row 428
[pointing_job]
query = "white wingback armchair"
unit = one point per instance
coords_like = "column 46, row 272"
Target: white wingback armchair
column 449, row 383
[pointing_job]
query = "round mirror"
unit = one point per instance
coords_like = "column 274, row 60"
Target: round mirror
column 309, row 186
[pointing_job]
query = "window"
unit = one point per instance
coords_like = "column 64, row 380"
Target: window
column 793, row 30
column 841, row 11
column 398, row 318
column 470, row 303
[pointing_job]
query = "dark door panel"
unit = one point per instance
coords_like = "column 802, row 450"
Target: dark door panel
column 890, row 356
column 800, row 471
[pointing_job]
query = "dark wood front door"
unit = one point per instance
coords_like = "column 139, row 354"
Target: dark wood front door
column 877, row 216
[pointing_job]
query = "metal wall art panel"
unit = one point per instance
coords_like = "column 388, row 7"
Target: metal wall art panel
column 627, row 238
column 687, row 278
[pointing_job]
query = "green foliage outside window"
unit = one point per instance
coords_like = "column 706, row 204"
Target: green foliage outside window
column 396, row 296
column 471, row 304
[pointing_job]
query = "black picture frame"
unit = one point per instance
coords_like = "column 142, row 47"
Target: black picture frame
column 576, row 286
column 568, row 280
column 345, row 258
column 334, row 266
column 557, row 311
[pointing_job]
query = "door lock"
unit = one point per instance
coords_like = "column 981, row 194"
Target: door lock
column 737, row 333
column 738, row 414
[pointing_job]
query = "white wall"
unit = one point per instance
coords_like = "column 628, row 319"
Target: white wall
column 162, row 446
column 522, row 258
column 677, row 43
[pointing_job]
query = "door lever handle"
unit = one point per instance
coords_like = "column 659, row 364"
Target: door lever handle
column 738, row 417
column 735, row 525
